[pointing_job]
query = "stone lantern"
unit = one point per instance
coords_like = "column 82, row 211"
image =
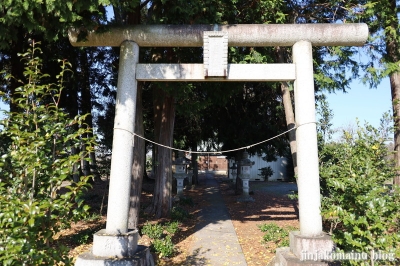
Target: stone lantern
column 245, row 167
column 180, row 172
column 233, row 169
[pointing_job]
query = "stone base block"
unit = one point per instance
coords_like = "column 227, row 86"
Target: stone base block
column 284, row 257
column 142, row 257
column 310, row 247
column 115, row 246
column 246, row 199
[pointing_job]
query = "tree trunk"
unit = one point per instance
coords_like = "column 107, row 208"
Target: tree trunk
column 195, row 178
column 392, row 49
column 138, row 166
column 153, row 159
column 395, row 88
column 289, row 114
column 164, row 127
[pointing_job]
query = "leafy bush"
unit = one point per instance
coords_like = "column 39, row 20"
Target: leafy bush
column 82, row 238
column 161, row 236
column 276, row 234
column 164, row 247
column 153, row 230
column 172, row 227
column 266, row 172
column 294, row 195
column 33, row 167
column 161, row 233
column 359, row 210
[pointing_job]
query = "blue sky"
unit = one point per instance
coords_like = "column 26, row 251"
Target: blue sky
column 360, row 102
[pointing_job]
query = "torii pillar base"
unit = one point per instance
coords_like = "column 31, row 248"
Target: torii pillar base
column 142, row 257
column 116, row 250
column 305, row 251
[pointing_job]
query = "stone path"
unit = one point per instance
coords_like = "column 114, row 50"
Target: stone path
column 215, row 240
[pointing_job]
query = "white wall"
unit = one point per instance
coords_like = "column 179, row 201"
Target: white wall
column 279, row 168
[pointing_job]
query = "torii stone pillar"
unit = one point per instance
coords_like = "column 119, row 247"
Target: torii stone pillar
column 123, row 140
column 115, row 245
column 307, row 144
column 310, row 240
column 301, row 37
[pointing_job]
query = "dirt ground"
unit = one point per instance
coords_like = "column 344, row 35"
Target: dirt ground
column 246, row 217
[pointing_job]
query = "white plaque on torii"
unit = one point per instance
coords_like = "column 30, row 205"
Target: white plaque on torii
column 215, row 53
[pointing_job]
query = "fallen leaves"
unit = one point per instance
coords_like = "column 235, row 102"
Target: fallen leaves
column 246, row 217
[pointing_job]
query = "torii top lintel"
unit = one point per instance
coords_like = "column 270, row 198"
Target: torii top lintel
column 253, row 35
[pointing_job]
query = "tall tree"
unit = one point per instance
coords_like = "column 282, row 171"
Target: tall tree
column 26, row 21
column 139, row 164
column 383, row 21
column 289, row 113
column 382, row 49
column 49, row 21
column 164, row 117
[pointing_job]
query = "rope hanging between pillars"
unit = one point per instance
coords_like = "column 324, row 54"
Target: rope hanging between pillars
column 216, row 152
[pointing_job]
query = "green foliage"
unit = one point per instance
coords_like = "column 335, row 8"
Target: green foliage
column 172, row 227
column 383, row 22
column 276, row 234
column 161, row 236
column 153, row 230
column 179, row 214
column 82, row 238
column 164, row 247
column 161, row 233
column 359, row 209
column 33, row 167
column 51, row 18
column 325, row 119
column 294, row 195
column 266, row 172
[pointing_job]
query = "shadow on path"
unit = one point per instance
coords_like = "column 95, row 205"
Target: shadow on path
column 215, row 241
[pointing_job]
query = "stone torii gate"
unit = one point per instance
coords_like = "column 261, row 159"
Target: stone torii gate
column 115, row 241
